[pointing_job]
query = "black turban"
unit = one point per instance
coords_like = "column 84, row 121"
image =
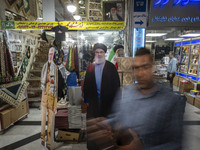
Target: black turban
column 117, row 47
column 100, row 46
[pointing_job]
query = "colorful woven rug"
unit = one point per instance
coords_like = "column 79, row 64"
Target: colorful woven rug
column 12, row 93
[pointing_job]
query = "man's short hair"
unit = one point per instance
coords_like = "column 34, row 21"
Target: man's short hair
column 171, row 52
column 144, row 51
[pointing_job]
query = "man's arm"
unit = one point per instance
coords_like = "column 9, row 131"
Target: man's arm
column 174, row 128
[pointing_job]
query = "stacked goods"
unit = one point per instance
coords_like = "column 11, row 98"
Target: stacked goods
column 74, row 117
column 75, row 95
column 61, row 119
column 185, row 86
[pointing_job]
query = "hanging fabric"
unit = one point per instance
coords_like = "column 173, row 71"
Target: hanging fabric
column 7, row 72
column 76, row 61
column 72, row 60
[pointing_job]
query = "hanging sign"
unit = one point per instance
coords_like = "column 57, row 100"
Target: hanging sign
column 174, row 13
column 7, row 25
column 71, row 25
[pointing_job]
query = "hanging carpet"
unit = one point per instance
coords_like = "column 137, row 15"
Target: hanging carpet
column 12, row 93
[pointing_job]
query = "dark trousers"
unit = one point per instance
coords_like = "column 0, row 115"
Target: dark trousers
column 170, row 79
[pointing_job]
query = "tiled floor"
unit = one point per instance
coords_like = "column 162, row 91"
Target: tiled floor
column 26, row 134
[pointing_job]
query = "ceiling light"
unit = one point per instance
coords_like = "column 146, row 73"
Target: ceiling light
column 173, row 39
column 71, row 8
column 151, row 41
column 82, row 36
column 77, row 17
column 39, row 18
column 190, row 35
column 23, row 30
column 100, row 39
column 155, row 34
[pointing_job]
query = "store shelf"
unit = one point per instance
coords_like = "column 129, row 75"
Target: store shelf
column 96, row 16
column 193, row 64
column 192, row 74
column 95, row 9
column 195, row 54
column 94, row 3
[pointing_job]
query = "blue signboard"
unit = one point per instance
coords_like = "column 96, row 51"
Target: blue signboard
column 193, row 78
column 183, row 75
column 139, row 5
column 174, row 13
column 186, row 43
column 138, row 39
column 195, row 41
column 178, row 44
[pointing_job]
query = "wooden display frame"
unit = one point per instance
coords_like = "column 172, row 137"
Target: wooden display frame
column 19, row 5
column 11, row 3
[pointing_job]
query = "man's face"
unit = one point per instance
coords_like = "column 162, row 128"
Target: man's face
column 142, row 68
column 120, row 52
column 170, row 55
column 99, row 55
column 113, row 10
column 51, row 54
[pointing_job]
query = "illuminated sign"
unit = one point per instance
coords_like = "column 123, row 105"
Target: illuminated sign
column 138, row 39
column 178, row 44
column 139, row 5
column 174, row 13
column 186, row 43
column 71, row 25
column 162, row 3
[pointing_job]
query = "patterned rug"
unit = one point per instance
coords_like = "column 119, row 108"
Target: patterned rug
column 12, row 93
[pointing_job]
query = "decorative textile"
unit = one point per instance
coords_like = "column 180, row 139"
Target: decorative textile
column 53, row 76
column 7, row 72
column 11, row 3
column 72, row 59
column 76, row 60
column 69, row 59
column 124, row 63
column 3, row 69
column 12, row 93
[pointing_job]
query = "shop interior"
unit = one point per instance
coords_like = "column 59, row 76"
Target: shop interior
column 29, row 51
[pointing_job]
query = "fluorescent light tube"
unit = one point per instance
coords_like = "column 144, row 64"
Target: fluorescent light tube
column 155, row 34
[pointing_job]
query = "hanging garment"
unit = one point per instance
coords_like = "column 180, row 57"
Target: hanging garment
column 53, row 75
column 72, row 60
column 72, row 79
column 76, row 60
column 60, row 32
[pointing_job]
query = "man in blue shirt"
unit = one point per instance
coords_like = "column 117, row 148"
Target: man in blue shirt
column 171, row 68
column 152, row 113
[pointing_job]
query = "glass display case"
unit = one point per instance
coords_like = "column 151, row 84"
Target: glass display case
column 194, row 60
column 189, row 58
column 184, row 59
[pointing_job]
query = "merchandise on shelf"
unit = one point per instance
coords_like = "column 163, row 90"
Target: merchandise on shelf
column 194, row 59
column 184, row 59
column 94, row 10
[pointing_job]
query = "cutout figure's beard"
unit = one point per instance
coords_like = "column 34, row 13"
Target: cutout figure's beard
column 99, row 60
